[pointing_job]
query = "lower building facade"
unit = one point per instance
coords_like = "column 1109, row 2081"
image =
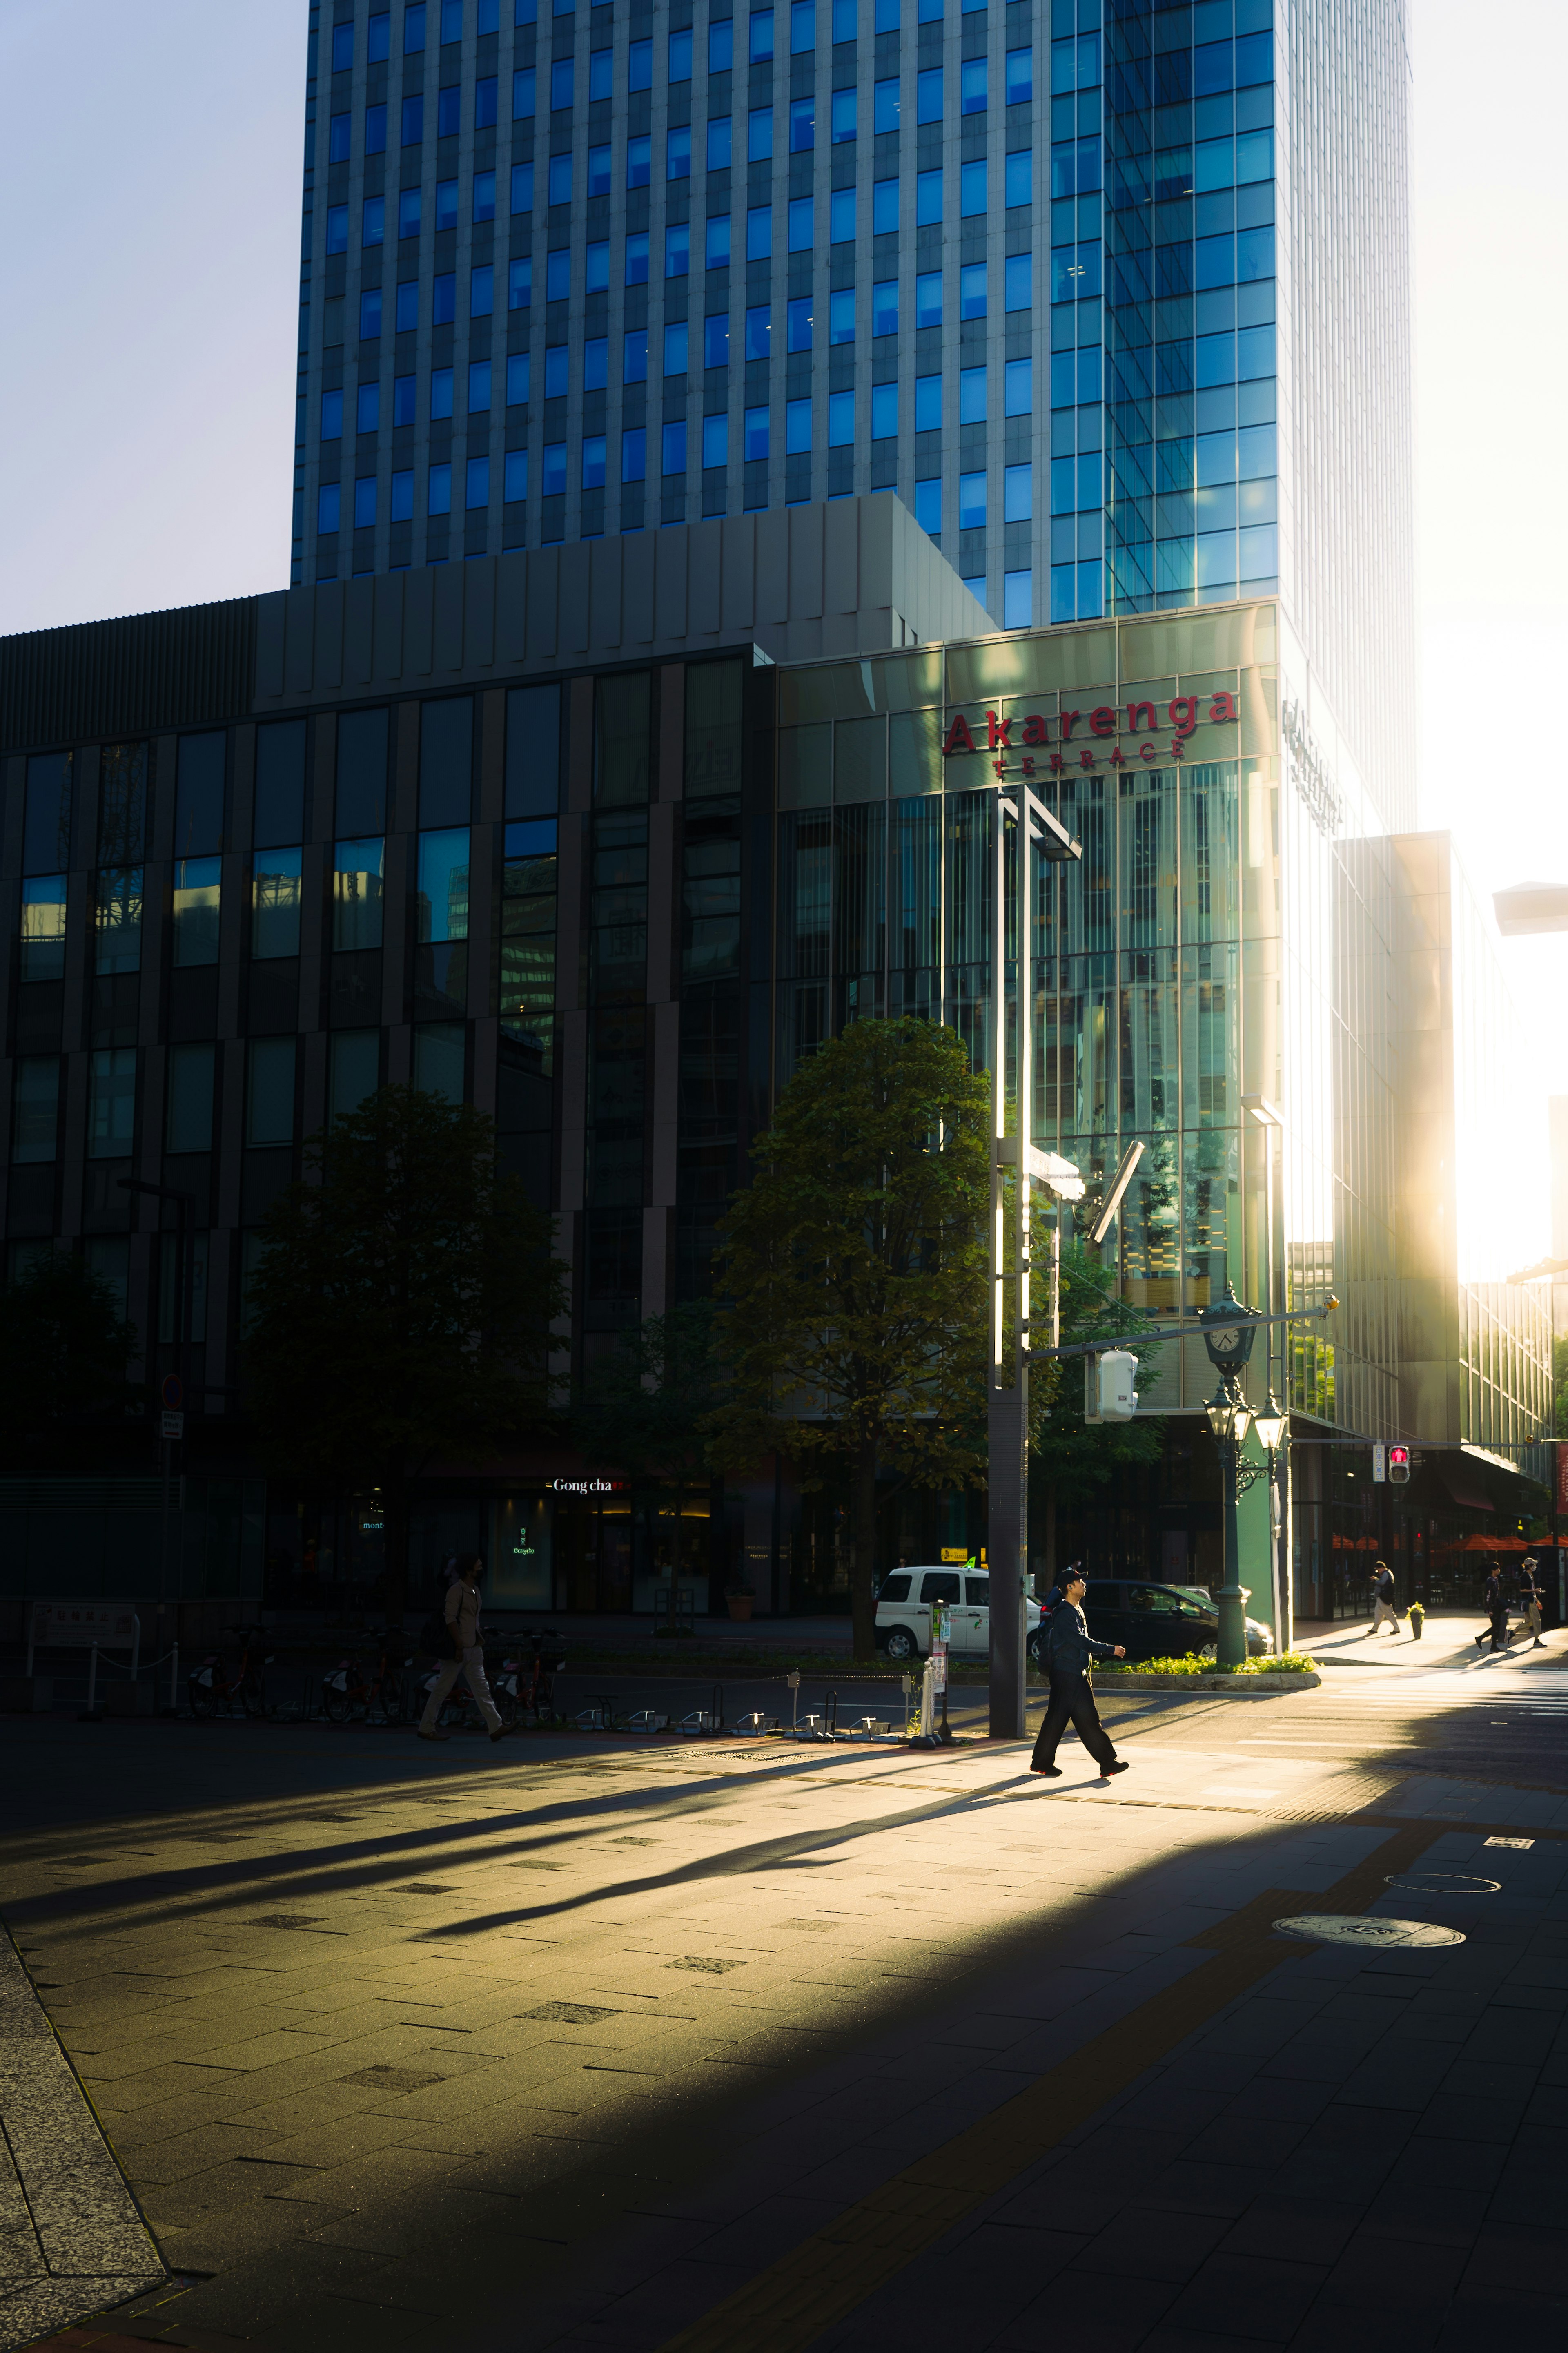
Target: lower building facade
column 605, row 840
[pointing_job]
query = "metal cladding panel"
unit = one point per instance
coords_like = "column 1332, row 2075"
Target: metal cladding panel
column 129, row 676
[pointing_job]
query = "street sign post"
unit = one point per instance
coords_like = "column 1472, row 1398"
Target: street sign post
column 173, row 1425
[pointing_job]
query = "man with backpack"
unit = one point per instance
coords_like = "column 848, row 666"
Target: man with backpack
column 1068, row 1649
column 1496, row 1611
column 463, row 1652
column 1383, row 1609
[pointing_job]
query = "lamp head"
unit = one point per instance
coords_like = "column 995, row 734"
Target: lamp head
column 1271, row 1423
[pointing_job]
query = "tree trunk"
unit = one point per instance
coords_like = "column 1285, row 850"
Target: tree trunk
column 862, row 1600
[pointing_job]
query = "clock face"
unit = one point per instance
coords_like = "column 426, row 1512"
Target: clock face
column 1225, row 1341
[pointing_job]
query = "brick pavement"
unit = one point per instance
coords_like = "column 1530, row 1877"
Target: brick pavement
column 551, row 2046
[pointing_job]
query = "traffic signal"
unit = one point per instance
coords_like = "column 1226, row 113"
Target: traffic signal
column 1399, row 1466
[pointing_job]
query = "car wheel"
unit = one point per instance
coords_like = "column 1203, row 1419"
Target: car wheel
column 901, row 1644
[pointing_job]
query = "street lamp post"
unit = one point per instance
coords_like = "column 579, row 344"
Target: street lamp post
column 1271, row 1119
column 1271, row 1425
column 184, row 1274
column 1016, row 1156
column 1229, row 1330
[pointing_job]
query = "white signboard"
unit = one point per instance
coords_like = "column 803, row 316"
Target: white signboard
column 111, row 1624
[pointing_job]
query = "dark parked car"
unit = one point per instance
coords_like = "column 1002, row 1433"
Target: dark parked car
column 1159, row 1621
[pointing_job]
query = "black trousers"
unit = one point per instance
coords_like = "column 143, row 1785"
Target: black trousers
column 1072, row 1698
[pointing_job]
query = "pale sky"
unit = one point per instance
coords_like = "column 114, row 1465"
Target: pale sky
column 150, row 159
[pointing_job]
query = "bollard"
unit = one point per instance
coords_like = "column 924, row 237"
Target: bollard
column 928, row 1701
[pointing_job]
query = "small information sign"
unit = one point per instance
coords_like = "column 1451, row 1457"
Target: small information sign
column 174, row 1425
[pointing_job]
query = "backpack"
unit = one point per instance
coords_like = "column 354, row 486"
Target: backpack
column 435, row 1636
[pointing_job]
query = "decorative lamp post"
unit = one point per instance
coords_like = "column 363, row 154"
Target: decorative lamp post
column 1270, row 1426
column 1229, row 1330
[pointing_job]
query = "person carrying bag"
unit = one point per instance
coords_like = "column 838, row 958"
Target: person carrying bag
column 464, row 1652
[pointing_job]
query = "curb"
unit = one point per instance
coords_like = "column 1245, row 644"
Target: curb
column 1209, row 1686
column 85, row 2245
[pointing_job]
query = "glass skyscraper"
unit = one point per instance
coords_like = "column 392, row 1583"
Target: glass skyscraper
column 1113, row 295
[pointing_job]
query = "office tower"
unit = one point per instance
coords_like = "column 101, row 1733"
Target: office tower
column 1112, row 295
column 606, row 268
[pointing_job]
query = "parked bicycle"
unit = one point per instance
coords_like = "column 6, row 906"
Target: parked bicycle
column 348, row 1695
column 533, row 1682
column 211, row 1686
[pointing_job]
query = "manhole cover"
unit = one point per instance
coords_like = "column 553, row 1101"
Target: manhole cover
column 713, row 1969
column 1441, row 1882
column 1346, row 1928
column 1520, row 1843
column 392, row 2079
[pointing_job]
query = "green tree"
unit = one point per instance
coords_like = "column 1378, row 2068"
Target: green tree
column 1074, row 1458
column 646, row 1405
column 400, row 1313
column 65, row 1354
column 1559, row 1387
column 855, row 1268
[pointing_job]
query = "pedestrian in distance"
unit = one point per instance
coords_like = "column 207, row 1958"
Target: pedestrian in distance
column 1530, row 1595
column 1383, row 1609
column 1496, row 1614
column 1068, row 1650
column 461, row 1614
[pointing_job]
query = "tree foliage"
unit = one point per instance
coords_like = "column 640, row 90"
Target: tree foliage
column 855, row 1266
column 400, row 1313
column 65, row 1354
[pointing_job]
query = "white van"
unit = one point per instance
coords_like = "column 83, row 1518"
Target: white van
column 903, row 1612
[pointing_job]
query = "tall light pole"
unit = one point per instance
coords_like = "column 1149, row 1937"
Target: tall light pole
column 1016, row 1156
column 1229, row 1330
column 183, row 1285
column 1273, row 1419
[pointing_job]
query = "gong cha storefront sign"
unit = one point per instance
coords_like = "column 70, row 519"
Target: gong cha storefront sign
column 1051, row 743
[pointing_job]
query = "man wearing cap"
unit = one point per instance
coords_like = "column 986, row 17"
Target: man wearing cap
column 1068, row 1650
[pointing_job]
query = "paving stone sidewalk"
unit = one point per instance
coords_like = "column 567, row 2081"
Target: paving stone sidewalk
column 71, row 2239
column 566, row 2046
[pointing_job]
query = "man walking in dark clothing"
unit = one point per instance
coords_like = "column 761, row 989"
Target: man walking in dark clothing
column 1496, row 1611
column 1069, row 1650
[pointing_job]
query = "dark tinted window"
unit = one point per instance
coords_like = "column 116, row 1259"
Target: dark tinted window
column 977, row 1592
column 533, row 751
column 46, row 830
column 941, row 1585
column 447, row 762
column 362, row 773
column 198, row 796
column 279, row 814
column 1146, row 1598
column 895, row 1588
column 122, row 804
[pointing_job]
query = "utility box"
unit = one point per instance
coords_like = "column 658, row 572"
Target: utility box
column 1109, row 1394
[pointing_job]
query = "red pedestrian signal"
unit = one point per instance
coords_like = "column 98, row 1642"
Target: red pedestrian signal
column 1398, row 1466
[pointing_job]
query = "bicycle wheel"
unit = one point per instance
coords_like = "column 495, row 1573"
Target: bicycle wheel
column 336, row 1704
column 506, row 1707
column 252, row 1697
column 203, row 1699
